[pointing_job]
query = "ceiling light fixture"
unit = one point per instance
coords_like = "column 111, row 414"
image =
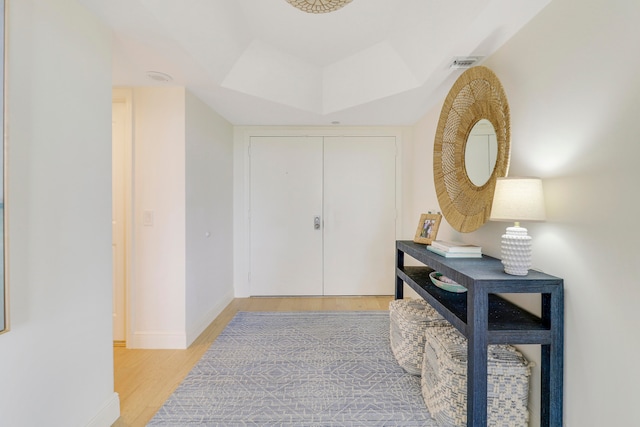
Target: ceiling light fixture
column 318, row 6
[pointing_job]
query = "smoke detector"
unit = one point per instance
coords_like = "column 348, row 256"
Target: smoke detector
column 462, row 62
column 159, row 77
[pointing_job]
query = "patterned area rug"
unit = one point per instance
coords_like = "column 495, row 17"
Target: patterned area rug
column 299, row 369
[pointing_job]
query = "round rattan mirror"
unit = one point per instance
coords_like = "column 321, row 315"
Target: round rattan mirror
column 476, row 95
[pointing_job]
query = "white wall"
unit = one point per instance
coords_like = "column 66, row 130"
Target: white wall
column 420, row 184
column 56, row 363
column 209, row 204
column 157, row 314
column 183, row 176
column 572, row 81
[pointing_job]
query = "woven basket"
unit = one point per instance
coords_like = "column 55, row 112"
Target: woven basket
column 444, row 381
column 409, row 320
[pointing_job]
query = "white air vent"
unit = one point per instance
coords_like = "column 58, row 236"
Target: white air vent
column 461, row 62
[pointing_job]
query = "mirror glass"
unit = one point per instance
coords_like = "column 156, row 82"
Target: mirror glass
column 481, row 152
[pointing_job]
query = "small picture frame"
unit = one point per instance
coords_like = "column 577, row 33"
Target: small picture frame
column 427, row 228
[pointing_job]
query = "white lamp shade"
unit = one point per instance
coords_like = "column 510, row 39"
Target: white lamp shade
column 518, row 199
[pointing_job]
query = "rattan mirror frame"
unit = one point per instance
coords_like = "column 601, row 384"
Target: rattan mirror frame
column 477, row 94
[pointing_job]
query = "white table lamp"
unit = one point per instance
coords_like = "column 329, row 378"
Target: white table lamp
column 517, row 199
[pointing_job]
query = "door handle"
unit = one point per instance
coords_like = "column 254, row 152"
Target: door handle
column 316, row 222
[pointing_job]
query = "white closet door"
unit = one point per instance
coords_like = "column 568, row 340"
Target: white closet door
column 359, row 211
column 286, row 195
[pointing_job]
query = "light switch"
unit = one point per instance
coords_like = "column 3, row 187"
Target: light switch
column 147, row 218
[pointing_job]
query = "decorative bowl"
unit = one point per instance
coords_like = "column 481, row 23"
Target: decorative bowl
column 443, row 282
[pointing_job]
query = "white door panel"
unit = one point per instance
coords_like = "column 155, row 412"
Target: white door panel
column 350, row 183
column 359, row 209
column 286, row 195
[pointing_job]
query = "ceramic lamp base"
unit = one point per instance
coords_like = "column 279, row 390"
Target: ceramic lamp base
column 516, row 251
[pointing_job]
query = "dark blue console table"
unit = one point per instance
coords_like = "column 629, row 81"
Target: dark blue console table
column 484, row 317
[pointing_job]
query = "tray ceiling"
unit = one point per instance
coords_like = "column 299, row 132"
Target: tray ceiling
column 264, row 62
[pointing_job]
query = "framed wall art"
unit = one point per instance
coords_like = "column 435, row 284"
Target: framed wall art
column 427, row 228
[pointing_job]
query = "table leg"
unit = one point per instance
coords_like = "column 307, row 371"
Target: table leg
column 399, row 282
column 477, row 358
column 552, row 355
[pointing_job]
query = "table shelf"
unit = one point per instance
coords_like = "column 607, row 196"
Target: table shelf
column 503, row 316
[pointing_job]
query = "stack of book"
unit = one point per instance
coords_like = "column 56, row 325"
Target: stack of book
column 455, row 250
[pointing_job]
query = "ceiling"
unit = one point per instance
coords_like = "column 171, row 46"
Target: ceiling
column 264, row 62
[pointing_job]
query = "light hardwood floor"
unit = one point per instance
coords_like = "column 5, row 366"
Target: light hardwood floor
column 144, row 379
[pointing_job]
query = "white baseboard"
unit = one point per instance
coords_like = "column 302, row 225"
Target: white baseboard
column 108, row 414
column 194, row 331
column 158, row 340
column 153, row 340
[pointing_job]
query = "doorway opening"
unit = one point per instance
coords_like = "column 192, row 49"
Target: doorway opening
column 121, row 210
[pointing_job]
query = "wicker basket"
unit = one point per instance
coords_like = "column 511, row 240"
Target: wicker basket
column 444, row 381
column 409, row 320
